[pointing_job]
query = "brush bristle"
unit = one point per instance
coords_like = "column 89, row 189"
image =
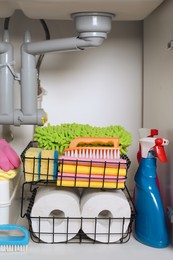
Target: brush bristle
column 94, row 153
column 13, row 248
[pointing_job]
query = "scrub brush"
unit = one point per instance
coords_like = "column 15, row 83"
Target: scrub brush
column 13, row 243
column 94, row 148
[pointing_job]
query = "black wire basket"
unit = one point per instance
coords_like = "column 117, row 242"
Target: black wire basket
column 34, row 181
column 55, row 236
column 49, row 170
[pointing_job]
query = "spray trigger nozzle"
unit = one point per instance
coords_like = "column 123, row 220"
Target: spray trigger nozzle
column 159, row 149
column 156, row 144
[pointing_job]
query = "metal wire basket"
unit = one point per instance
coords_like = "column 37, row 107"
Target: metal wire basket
column 110, row 237
column 35, row 181
column 53, row 170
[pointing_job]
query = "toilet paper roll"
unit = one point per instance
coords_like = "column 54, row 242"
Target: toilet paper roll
column 111, row 211
column 60, row 204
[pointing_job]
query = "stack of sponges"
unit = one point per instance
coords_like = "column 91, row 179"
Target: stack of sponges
column 87, row 173
column 58, row 137
column 40, row 164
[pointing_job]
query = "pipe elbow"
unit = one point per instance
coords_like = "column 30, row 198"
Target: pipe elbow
column 92, row 27
column 95, row 41
column 86, row 40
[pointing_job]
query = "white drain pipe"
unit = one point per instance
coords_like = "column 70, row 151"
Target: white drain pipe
column 92, row 30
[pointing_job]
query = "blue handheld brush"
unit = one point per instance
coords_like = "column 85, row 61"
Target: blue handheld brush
column 10, row 242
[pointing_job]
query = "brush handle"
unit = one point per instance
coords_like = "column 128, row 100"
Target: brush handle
column 9, row 227
column 21, row 240
column 92, row 140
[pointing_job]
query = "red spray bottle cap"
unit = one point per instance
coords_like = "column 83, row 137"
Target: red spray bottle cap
column 153, row 132
column 159, row 149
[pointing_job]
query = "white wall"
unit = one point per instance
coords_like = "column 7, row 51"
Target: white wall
column 158, row 86
column 101, row 86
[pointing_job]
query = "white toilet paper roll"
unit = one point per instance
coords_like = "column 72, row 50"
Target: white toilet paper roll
column 112, row 212
column 61, row 203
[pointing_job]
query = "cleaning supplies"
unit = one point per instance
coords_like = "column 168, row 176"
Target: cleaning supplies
column 150, row 222
column 9, row 241
column 31, row 164
column 49, row 164
column 77, row 172
column 86, row 182
column 40, row 164
column 92, row 162
column 94, row 148
column 145, row 132
column 9, row 159
column 58, row 137
column 8, row 175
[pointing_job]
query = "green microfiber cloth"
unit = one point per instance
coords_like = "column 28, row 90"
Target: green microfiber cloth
column 58, row 137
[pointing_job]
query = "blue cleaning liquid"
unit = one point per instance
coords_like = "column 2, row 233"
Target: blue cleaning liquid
column 150, row 222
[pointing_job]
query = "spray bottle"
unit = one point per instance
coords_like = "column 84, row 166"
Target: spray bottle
column 150, row 221
column 145, row 132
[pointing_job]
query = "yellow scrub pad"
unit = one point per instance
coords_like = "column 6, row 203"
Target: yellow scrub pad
column 93, row 170
column 91, row 184
column 40, row 164
column 32, row 165
column 49, row 163
column 89, row 173
column 8, row 175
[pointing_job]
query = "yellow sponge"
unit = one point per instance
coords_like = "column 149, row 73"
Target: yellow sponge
column 91, row 184
column 32, row 165
column 40, row 164
column 49, row 163
column 8, row 175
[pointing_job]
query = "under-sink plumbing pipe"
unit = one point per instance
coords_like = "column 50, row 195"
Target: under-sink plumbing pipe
column 9, row 115
column 92, row 28
column 28, row 78
column 6, row 80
